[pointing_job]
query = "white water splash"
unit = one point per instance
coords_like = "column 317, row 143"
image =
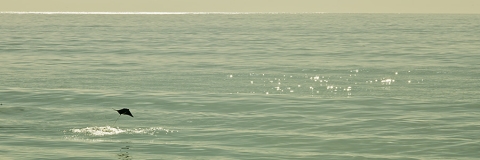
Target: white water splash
column 107, row 130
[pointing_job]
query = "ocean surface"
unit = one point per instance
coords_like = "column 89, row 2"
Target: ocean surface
column 239, row 86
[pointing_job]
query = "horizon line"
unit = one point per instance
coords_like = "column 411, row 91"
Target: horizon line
column 61, row 12
column 185, row 13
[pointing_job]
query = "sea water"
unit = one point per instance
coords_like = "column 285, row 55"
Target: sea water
column 239, row 86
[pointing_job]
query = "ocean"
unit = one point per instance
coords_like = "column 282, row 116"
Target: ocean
column 239, row 86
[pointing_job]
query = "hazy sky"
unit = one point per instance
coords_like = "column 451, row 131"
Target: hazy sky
column 329, row 6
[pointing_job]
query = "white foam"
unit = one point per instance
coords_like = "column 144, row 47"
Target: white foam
column 107, row 130
column 99, row 131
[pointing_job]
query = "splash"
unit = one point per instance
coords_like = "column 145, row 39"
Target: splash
column 107, row 130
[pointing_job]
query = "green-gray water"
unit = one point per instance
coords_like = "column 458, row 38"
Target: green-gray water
column 240, row 86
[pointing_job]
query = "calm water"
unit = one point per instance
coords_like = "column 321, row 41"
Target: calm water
column 240, row 86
